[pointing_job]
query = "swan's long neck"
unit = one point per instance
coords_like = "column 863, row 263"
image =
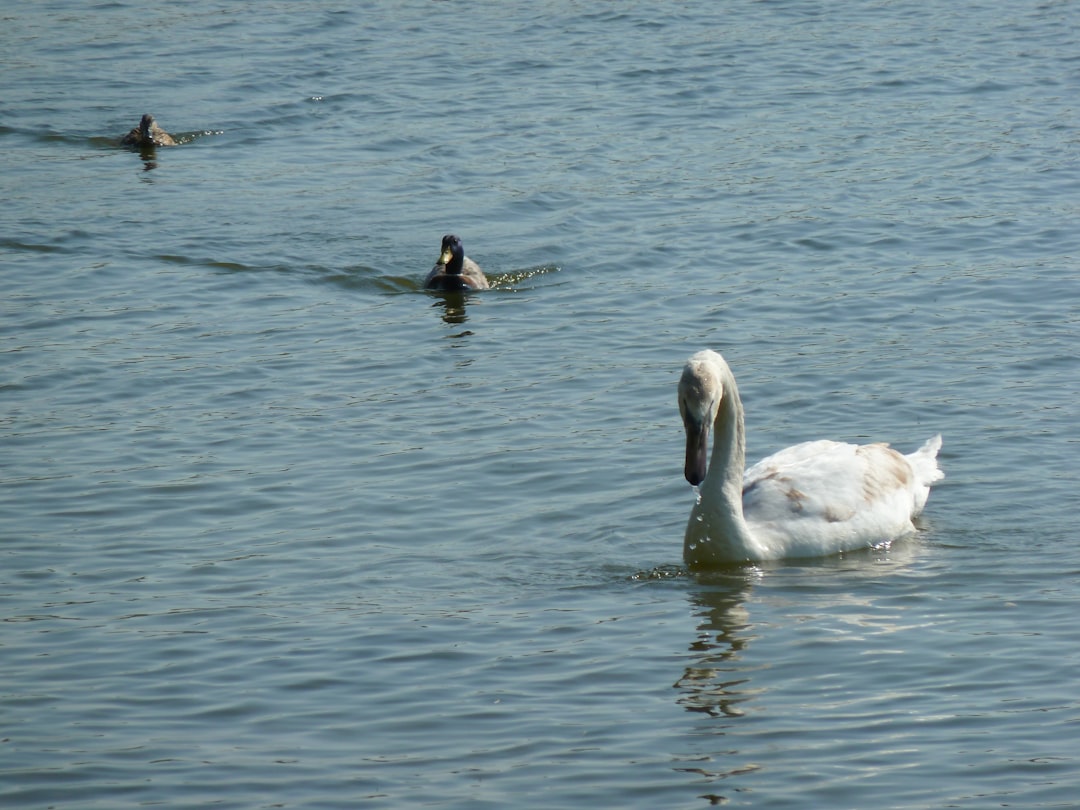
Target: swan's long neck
column 724, row 534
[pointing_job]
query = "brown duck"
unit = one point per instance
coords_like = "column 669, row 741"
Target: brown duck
column 147, row 135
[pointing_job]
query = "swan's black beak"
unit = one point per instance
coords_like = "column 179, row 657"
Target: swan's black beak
column 697, row 444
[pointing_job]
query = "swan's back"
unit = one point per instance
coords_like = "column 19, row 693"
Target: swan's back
column 821, row 497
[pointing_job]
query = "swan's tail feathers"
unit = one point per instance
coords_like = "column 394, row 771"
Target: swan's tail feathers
column 925, row 466
column 924, row 462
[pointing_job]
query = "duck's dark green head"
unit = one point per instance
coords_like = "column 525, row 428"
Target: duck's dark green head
column 453, row 254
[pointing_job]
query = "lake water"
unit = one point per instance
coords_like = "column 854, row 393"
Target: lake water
column 280, row 529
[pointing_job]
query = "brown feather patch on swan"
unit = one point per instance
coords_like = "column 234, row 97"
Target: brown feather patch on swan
column 886, row 470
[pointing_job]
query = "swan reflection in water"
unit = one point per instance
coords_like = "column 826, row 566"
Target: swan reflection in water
column 725, row 681
column 716, row 682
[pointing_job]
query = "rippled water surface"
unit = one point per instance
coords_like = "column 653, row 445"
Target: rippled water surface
column 280, row 529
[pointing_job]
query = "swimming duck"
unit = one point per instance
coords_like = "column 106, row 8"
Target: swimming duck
column 148, row 134
column 455, row 270
column 809, row 500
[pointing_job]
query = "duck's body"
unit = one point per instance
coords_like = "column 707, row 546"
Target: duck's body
column 147, row 135
column 809, row 500
column 455, row 270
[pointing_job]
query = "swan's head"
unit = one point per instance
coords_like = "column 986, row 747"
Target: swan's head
column 453, row 253
column 701, row 388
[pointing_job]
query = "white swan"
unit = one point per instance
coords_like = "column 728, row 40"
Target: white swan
column 810, row 500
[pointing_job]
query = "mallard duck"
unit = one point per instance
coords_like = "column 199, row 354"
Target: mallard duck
column 812, row 499
column 455, row 270
column 147, row 134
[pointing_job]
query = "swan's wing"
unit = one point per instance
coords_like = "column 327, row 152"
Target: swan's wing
column 827, row 482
